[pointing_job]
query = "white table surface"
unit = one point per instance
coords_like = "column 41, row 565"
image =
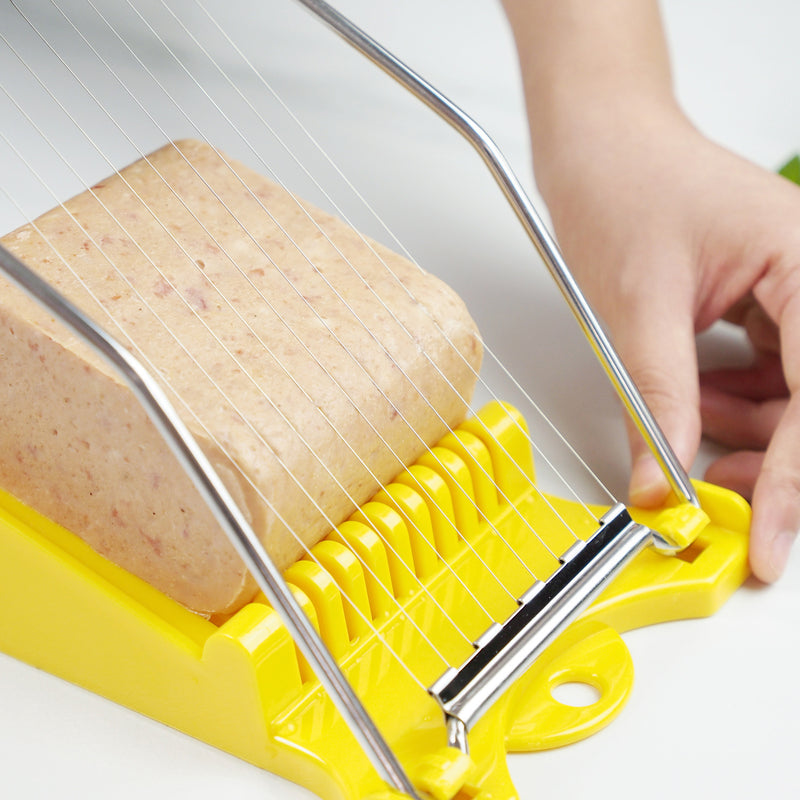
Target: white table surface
column 716, row 704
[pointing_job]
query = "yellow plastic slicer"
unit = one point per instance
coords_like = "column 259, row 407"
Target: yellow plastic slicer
column 242, row 685
column 311, row 707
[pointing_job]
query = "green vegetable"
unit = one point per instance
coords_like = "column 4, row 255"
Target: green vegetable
column 791, row 170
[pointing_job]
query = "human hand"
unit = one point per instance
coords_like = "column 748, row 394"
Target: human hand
column 667, row 233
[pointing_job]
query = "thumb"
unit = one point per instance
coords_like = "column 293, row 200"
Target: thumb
column 776, row 498
column 657, row 345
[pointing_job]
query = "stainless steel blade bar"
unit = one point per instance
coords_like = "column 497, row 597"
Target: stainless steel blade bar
column 534, row 226
column 213, row 492
column 507, row 650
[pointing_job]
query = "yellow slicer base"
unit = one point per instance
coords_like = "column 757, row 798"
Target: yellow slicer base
column 240, row 685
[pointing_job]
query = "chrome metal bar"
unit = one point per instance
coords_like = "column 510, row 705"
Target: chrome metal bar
column 537, row 231
column 545, row 610
column 213, row 492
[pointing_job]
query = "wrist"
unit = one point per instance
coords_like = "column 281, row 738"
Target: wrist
column 592, row 138
column 590, row 72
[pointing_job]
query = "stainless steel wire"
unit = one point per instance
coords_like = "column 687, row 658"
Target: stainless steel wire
column 402, row 248
column 342, row 299
column 511, row 550
column 223, row 449
column 188, row 351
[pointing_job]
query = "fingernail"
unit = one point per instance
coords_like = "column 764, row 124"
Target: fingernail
column 648, row 486
column 779, row 551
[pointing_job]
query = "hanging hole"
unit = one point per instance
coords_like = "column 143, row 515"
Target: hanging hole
column 577, row 694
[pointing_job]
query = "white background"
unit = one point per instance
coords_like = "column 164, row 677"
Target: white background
column 715, row 708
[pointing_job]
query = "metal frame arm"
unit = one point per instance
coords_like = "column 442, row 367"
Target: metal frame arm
column 537, row 231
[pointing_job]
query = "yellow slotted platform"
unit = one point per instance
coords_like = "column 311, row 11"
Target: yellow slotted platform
column 240, row 685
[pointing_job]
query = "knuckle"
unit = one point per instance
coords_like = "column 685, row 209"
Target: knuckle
column 782, row 481
column 656, row 387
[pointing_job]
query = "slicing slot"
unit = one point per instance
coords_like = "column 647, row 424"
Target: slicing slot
column 371, row 551
column 690, row 553
column 391, row 529
column 477, row 458
column 458, row 479
column 430, row 487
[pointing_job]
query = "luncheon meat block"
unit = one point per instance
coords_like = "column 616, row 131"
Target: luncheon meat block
column 310, row 363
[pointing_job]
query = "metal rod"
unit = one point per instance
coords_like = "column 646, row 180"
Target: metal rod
column 233, row 523
column 537, row 231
